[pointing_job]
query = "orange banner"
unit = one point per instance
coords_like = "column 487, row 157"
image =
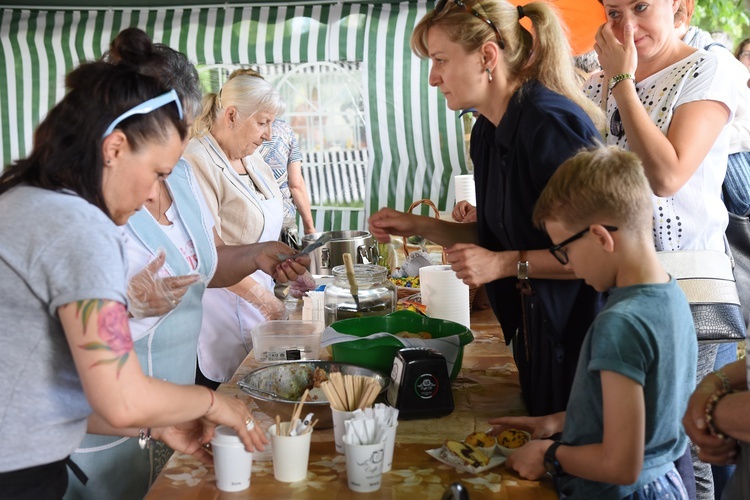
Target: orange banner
column 581, row 17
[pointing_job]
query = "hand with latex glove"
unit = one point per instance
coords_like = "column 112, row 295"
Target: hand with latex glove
column 261, row 297
column 150, row 295
column 303, row 284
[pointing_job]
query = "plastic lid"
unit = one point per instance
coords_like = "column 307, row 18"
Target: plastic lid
column 226, row 436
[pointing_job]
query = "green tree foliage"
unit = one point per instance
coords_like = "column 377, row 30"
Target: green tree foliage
column 729, row 16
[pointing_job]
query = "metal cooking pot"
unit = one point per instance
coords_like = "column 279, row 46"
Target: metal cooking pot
column 360, row 244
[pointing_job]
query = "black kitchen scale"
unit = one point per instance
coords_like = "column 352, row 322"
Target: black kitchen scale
column 420, row 385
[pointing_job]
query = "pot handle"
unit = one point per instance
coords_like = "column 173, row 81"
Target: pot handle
column 362, row 255
column 374, row 253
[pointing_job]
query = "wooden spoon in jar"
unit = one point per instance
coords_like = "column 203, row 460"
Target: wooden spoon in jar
column 352, row 279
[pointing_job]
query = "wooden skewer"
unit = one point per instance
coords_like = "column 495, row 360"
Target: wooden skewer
column 360, row 387
column 367, row 399
column 333, row 397
column 375, row 390
column 313, row 423
column 337, row 382
column 298, row 410
column 349, row 384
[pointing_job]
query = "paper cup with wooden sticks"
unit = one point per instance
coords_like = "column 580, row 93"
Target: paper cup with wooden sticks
column 290, row 453
column 347, row 393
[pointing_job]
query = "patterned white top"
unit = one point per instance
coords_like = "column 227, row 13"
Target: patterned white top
column 279, row 152
column 695, row 217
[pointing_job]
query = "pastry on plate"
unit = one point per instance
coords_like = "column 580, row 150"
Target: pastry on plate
column 483, row 441
column 460, row 453
column 511, row 439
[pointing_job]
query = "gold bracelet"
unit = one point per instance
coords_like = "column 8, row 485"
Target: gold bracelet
column 618, row 78
column 725, row 383
column 211, row 392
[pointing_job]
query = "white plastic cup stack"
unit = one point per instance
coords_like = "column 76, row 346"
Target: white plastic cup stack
column 465, row 190
column 444, row 294
column 232, row 462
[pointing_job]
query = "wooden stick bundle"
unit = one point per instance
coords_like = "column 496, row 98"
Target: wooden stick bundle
column 350, row 392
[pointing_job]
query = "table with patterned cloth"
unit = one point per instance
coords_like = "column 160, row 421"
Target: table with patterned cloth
column 486, row 387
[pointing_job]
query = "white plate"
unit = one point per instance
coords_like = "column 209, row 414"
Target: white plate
column 495, row 460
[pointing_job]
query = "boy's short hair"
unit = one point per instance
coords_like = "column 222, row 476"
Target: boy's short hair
column 600, row 185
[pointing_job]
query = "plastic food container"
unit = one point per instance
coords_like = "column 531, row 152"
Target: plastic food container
column 292, row 340
column 378, row 353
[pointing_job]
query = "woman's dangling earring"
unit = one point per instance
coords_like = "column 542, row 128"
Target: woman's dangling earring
column 489, row 74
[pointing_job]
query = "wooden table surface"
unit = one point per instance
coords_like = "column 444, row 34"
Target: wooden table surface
column 486, row 387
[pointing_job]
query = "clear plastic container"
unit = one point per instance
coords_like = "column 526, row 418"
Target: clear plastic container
column 376, row 294
column 275, row 341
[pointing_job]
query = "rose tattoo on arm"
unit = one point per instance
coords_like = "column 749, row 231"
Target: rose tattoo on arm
column 112, row 328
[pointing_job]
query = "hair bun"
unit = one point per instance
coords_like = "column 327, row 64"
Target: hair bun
column 132, row 46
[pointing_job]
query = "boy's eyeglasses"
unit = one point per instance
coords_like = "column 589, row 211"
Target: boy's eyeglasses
column 615, row 125
column 441, row 6
column 561, row 255
column 147, row 107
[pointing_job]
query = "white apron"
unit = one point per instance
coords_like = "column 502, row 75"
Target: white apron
column 228, row 319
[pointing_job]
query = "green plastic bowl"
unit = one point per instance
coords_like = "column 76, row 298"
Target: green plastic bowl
column 378, row 354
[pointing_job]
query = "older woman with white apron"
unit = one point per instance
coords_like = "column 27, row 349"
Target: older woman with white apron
column 246, row 203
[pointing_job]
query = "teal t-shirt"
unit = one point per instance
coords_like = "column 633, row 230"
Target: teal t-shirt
column 646, row 333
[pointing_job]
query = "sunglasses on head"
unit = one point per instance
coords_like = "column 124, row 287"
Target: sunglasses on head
column 441, row 6
column 145, row 108
column 615, row 125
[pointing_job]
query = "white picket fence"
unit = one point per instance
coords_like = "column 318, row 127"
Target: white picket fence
column 335, row 177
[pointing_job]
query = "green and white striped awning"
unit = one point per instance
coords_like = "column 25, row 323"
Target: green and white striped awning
column 415, row 143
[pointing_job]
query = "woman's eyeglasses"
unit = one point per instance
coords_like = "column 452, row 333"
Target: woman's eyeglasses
column 615, row 125
column 561, row 255
column 441, row 6
column 145, row 108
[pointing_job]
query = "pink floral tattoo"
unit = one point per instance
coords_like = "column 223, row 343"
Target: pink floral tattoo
column 112, row 326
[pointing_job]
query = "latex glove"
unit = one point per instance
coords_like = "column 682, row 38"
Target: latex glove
column 302, row 285
column 265, row 301
column 150, row 295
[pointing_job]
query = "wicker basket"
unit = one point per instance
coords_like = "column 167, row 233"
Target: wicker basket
column 402, row 291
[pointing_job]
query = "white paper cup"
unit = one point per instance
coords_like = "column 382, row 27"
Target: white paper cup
column 465, row 189
column 364, row 466
column 390, row 443
column 290, row 454
column 339, row 429
column 232, row 463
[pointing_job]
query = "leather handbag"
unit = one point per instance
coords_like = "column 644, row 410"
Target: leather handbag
column 707, row 278
column 738, row 236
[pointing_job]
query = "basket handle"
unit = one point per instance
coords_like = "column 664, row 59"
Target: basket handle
column 430, row 204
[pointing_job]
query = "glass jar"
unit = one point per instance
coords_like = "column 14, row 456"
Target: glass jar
column 377, row 295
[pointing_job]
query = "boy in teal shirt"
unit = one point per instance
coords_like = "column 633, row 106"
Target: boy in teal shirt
column 621, row 432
